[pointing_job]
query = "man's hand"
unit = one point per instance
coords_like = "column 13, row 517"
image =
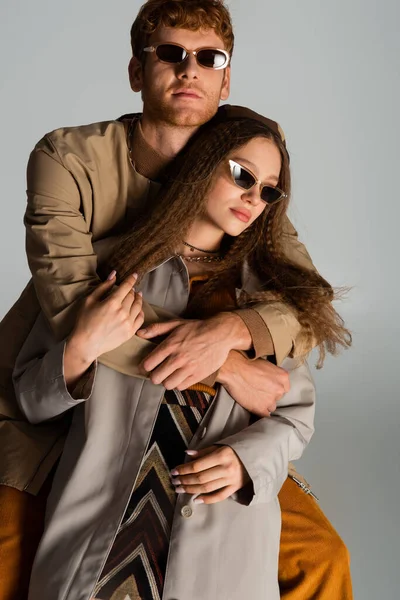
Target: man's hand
column 256, row 385
column 215, row 473
column 194, row 349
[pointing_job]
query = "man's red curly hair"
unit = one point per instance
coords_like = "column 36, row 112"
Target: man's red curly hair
column 183, row 14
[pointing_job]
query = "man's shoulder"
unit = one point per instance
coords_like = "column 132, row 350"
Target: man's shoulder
column 84, row 141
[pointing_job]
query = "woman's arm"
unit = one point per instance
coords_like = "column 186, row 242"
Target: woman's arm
column 257, row 464
column 50, row 377
column 266, row 447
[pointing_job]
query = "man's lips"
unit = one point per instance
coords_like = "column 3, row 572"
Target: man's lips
column 186, row 93
column 242, row 214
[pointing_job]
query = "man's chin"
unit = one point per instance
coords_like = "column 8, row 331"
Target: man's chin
column 186, row 116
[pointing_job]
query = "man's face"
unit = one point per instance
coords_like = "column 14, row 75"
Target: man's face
column 185, row 94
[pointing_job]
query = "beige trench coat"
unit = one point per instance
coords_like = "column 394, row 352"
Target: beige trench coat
column 82, row 189
column 225, row 551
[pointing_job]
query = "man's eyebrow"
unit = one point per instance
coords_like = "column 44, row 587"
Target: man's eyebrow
column 253, row 167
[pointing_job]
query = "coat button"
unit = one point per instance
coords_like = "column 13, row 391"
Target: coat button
column 186, row 511
column 203, row 433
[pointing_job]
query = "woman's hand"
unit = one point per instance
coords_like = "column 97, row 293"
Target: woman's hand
column 216, row 473
column 103, row 323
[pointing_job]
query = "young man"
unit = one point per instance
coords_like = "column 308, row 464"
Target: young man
column 83, row 187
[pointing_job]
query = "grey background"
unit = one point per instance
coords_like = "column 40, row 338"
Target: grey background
column 329, row 73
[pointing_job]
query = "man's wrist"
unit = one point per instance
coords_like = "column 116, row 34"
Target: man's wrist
column 237, row 331
column 229, row 369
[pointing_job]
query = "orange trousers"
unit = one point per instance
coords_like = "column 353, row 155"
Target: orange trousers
column 313, row 562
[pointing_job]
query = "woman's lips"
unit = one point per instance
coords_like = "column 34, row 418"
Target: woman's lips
column 242, row 215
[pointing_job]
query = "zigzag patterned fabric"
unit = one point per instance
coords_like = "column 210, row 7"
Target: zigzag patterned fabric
column 135, row 567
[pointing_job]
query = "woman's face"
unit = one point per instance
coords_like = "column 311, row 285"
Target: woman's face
column 231, row 208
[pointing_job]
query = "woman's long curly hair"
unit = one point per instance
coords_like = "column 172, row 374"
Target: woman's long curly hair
column 182, row 199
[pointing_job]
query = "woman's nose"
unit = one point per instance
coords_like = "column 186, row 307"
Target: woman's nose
column 252, row 195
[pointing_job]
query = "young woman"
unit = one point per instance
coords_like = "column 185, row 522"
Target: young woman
column 119, row 525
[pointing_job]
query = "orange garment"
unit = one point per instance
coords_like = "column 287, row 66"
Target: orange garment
column 21, row 527
column 314, row 563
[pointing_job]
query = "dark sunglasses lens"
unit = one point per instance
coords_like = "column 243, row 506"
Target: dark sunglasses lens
column 212, row 59
column 242, row 178
column 270, row 195
column 170, row 53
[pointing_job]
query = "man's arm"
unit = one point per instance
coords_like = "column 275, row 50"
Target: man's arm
column 274, row 327
column 58, row 238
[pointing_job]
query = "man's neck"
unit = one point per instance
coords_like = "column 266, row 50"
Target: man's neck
column 165, row 139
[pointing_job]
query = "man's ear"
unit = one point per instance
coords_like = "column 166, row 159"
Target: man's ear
column 226, row 84
column 135, row 71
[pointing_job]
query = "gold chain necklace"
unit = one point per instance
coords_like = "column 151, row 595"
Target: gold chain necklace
column 205, row 259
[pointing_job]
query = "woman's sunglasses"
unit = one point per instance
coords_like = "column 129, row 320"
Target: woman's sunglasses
column 209, row 58
column 245, row 179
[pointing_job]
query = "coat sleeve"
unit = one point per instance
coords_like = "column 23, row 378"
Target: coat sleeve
column 38, row 375
column 267, row 446
column 58, row 238
column 274, row 327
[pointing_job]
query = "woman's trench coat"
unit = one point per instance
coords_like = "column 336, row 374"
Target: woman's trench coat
column 223, row 551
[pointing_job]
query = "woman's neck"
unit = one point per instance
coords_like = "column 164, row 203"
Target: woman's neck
column 203, row 238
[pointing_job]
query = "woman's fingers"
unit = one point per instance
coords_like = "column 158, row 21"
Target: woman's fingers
column 120, row 293
column 125, row 288
column 139, row 320
column 103, row 287
column 216, row 496
column 213, row 458
column 128, row 301
column 205, row 488
column 136, row 304
column 200, row 479
column 215, row 473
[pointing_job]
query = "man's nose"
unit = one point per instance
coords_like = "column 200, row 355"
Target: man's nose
column 189, row 68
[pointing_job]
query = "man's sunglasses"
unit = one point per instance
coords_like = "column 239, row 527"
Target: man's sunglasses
column 209, row 58
column 245, row 179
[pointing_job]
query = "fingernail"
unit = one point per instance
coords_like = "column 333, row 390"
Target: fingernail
column 140, row 293
column 176, row 481
column 180, row 490
column 144, row 331
column 174, row 473
column 198, row 501
column 192, row 452
column 135, row 275
column 111, row 275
